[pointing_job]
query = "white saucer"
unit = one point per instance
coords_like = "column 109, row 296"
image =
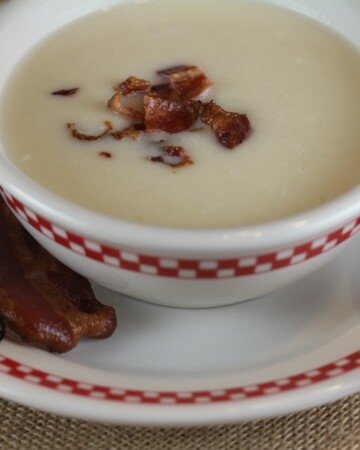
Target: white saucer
column 295, row 349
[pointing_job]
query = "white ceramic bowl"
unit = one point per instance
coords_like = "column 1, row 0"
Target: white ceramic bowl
column 166, row 266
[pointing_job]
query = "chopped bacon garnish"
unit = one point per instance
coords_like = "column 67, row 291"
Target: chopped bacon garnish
column 173, row 156
column 118, row 108
column 187, row 81
column 105, row 154
column 133, row 85
column 170, row 108
column 89, row 137
column 168, row 112
column 230, row 128
column 132, row 132
column 66, row 92
column 41, row 300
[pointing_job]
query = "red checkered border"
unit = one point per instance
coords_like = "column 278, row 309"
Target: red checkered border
column 181, row 268
column 66, row 385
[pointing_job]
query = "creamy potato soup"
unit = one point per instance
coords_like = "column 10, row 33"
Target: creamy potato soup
column 298, row 83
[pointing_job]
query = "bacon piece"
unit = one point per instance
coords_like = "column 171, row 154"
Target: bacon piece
column 42, row 300
column 230, row 128
column 160, row 88
column 133, row 85
column 130, row 86
column 125, row 111
column 168, row 112
column 66, row 92
column 187, row 81
column 105, row 154
column 173, row 156
column 132, row 132
column 89, row 137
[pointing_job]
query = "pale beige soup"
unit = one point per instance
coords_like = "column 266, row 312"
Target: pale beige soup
column 298, row 82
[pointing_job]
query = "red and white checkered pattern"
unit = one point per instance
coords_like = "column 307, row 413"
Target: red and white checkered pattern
column 181, row 268
column 69, row 386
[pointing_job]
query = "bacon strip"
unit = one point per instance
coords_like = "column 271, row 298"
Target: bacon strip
column 230, row 128
column 167, row 111
column 42, row 300
column 173, row 156
column 89, row 137
column 187, row 81
column 66, row 92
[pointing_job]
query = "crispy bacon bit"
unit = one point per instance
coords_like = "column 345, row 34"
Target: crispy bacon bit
column 230, row 128
column 118, row 108
column 173, row 156
column 133, row 132
column 160, row 88
column 66, row 92
column 105, row 154
column 133, row 85
column 187, row 81
column 42, row 300
column 89, row 137
column 168, row 112
column 159, row 159
column 130, row 86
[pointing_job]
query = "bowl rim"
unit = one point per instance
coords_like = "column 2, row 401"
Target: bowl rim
column 101, row 227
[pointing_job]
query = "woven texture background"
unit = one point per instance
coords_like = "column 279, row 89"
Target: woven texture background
column 330, row 427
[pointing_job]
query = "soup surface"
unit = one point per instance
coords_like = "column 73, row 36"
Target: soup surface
column 298, row 82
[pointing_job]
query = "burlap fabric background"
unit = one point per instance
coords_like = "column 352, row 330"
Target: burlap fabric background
column 329, row 428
